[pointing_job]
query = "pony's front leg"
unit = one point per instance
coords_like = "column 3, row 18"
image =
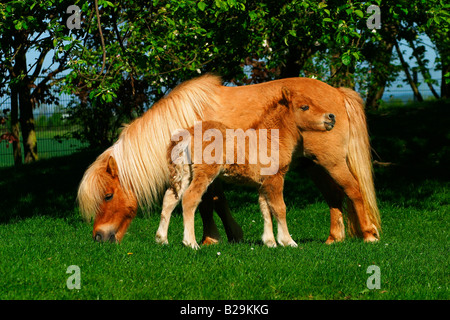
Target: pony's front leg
column 273, row 192
column 191, row 200
column 170, row 201
column 267, row 238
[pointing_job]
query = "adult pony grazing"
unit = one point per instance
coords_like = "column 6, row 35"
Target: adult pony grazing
column 134, row 171
column 245, row 162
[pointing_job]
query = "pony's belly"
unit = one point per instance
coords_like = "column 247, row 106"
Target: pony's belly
column 240, row 174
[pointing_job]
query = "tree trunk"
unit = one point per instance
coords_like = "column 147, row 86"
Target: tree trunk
column 423, row 70
column 15, row 127
column 379, row 76
column 26, row 110
column 408, row 75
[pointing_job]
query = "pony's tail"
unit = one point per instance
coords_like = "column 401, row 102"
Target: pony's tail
column 359, row 161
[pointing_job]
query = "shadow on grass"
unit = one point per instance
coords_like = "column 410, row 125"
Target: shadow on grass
column 45, row 188
column 411, row 142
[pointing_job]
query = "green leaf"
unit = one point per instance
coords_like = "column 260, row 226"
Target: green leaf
column 359, row 13
column 253, row 15
column 18, row 24
column 346, row 60
column 327, row 20
column 201, row 6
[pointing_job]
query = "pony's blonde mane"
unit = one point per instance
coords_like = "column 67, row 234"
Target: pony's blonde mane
column 140, row 151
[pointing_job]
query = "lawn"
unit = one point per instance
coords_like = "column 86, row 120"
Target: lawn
column 42, row 234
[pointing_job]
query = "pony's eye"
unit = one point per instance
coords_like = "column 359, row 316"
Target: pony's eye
column 304, row 107
column 109, row 196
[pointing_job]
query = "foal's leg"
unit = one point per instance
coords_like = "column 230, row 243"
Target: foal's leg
column 273, row 192
column 267, row 237
column 334, row 198
column 170, row 201
column 190, row 202
column 344, row 178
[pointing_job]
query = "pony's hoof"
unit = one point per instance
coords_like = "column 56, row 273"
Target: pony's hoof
column 194, row 245
column 370, row 238
column 332, row 240
column 290, row 243
column 161, row 240
column 270, row 243
column 208, row 241
column 293, row 244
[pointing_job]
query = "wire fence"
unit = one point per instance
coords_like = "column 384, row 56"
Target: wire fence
column 52, row 130
column 53, row 127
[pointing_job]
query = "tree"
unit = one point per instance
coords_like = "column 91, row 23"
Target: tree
column 437, row 27
column 28, row 26
column 127, row 55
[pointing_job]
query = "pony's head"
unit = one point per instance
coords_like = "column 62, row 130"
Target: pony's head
column 308, row 115
column 102, row 196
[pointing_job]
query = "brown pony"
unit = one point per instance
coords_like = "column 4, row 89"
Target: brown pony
column 245, row 163
column 134, row 171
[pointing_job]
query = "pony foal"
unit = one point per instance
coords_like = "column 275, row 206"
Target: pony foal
column 286, row 119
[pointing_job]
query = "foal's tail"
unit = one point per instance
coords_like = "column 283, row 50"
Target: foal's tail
column 359, row 160
column 179, row 159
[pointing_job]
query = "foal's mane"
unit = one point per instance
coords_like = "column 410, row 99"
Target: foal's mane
column 140, row 151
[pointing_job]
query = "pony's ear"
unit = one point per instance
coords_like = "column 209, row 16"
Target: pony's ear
column 286, row 95
column 111, row 167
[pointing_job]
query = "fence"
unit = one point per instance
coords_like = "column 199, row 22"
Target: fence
column 52, row 131
column 53, row 128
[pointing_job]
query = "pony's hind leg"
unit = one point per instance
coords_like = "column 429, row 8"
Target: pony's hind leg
column 190, row 202
column 344, row 178
column 211, row 234
column 214, row 199
column 334, row 197
column 273, row 192
column 232, row 228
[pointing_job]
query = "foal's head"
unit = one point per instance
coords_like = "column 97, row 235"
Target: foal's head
column 117, row 208
column 308, row 115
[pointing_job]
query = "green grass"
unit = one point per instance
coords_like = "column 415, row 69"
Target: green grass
column 41, row 233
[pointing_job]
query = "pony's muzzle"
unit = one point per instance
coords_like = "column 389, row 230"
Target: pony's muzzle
column 102, row 236
column 331, row 121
